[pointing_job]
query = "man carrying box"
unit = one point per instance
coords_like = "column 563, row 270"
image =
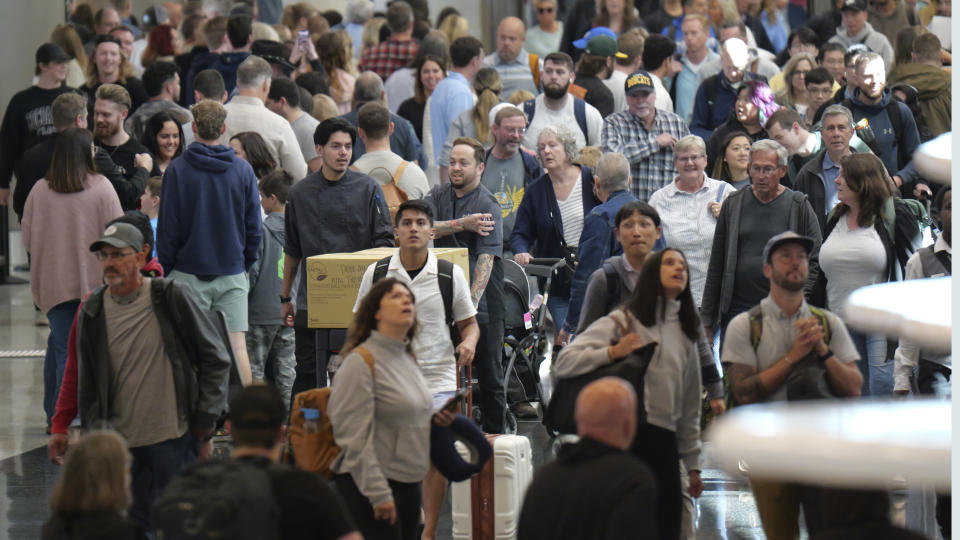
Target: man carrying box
column 333, row 210
column 433, row 346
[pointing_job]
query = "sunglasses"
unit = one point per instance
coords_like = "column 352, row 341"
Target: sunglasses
column 544, row 10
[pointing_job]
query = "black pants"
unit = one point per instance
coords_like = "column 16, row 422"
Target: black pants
column 487, row 364
column 406, row 498
column 312, row 349
column 657, row 447
column 926, row 371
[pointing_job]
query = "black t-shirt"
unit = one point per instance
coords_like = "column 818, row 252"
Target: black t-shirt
column 413, row 111
column 597, row 94
column 759, row 222
column 124, row 155
column 28, row 120
column 309, row 508
column 416, row 272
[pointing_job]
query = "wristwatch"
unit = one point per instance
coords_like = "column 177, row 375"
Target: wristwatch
column 285, row 299
column 823, row 359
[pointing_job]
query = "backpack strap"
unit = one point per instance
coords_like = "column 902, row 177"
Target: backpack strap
column 755, row 315
column 380, row 270
column 445, row 282
column 367, row 357
column 534, row 68
column 821, row 316
column 580, row 113
column 529, row 109
column 933, row 263
column 710, row 91
column 613, row 286
column 399, row 172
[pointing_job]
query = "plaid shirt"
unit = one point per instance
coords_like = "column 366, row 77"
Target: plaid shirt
column 388, row 57
column 650, row 166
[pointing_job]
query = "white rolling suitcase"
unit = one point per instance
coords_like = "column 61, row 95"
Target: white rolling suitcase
column 487, row 507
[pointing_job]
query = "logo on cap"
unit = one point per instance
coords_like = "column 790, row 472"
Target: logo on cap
column 111, row 230
column 640, row 79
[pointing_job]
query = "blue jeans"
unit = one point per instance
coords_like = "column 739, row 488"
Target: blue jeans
column 61, row 319
column 558, row 310
column 152, row 469
column 876, row 368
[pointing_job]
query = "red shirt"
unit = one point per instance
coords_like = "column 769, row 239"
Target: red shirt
column 388, row 57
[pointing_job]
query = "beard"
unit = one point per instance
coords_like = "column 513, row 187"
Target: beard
column 554, row 91
column 103, row 130
column 785, row 283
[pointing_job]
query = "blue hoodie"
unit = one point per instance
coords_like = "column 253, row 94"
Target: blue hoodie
column 895, row 149
column 209, row 222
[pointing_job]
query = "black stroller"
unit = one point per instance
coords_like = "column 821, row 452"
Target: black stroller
column 529, row 333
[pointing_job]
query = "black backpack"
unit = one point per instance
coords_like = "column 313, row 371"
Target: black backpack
column 214, row 499
column 444, row 280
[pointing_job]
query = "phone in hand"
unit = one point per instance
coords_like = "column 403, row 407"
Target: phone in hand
column 303, row 39
column 459, row 397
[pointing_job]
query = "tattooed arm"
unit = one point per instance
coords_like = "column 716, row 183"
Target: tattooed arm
column 481, row 275
column 481, row 224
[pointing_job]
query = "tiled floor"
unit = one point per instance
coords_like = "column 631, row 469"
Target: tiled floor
column 727, row 510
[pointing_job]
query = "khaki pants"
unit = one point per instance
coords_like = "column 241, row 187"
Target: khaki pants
column 778, row 504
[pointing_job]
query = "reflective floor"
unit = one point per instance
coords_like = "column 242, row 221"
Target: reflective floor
column 726, row 508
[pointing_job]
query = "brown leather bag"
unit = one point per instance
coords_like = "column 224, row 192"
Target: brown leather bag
column 317, row 451
column 394, row 195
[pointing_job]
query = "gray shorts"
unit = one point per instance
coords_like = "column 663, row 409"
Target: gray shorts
column 441, row 398
column 225, row 293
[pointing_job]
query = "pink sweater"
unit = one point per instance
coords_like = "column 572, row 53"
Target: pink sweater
column 58, row 229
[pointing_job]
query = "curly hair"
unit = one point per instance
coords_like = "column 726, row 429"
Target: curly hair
column 566, row 138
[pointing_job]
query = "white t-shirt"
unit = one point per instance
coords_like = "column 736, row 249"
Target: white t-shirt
column 399, row 88
column 544, row 116
column 413, row 180
column 571, row 213
column 431, row 346
column 615, row 84
column 850, row 260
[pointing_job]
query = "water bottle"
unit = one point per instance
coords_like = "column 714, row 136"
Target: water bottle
column 311, row 421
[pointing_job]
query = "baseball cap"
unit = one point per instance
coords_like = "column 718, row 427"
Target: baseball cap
column 120, row 235
column 592, row 33
column 51, row 52
column 859, row 5
column 638, row 81
column 499, row 107
column 603, row 45
column 786, row 237
column 272, row 52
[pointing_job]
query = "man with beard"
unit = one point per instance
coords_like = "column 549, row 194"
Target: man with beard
column 644, row 135
column 334, row 210
column 28, row 118
column 748, row 219
column 109, row 112
column 508, row 168
column 481, row 232
column 556, row 107
column 894, row 128
column 758, row 366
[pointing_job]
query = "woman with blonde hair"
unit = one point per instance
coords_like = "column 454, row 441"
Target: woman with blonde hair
column 69, row 40
column 794, row 93
column 371, row 33
column 108, row 65
column 474, row 122
column 453, row 27
column 92, row 494
column 336, row 61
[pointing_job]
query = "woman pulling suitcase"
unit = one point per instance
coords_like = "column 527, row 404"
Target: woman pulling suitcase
column 380, row 409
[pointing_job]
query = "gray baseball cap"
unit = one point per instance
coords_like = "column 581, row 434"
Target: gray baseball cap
column 786, row 237
column 120, row 235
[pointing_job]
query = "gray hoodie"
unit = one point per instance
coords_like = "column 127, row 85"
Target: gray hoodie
column 875, row 41
column 266, row 275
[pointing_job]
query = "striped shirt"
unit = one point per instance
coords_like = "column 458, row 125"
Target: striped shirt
column 515, row 75
column 651, row 167
column 688, row 225
column 571, row 214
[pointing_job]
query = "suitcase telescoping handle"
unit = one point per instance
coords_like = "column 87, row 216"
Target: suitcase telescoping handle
column 468, row 384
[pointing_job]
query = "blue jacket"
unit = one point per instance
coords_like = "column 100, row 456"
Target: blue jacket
column 895, row 149
column 225, row 63
column 708, row 116
column 209, row 222
column 597, row 242
column 539, row 224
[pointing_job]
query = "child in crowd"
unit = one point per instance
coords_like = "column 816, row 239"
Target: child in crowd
column 270, row 343
column 150, row 204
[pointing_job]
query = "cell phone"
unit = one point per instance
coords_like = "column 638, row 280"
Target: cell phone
column 451, row 404
column 303, row 36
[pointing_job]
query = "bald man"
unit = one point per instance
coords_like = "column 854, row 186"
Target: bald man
column 518, row 69
column 615, row 493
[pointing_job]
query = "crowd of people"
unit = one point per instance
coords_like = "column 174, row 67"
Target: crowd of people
column 719, row 175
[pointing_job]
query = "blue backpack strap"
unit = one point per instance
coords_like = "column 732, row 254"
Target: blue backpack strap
column 580, row 113
column 529, row 109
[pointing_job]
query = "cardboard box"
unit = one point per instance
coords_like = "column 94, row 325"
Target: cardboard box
column 334, row 279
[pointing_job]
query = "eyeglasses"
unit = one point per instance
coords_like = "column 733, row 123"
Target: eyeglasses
column 115, row 255
column 514, row 131
column 765, row 171
column 801, row 73
column 544, row 10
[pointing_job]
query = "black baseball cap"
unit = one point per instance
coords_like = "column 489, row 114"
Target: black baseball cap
column 858, row 5
column 51, row 52
column 638, row 81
